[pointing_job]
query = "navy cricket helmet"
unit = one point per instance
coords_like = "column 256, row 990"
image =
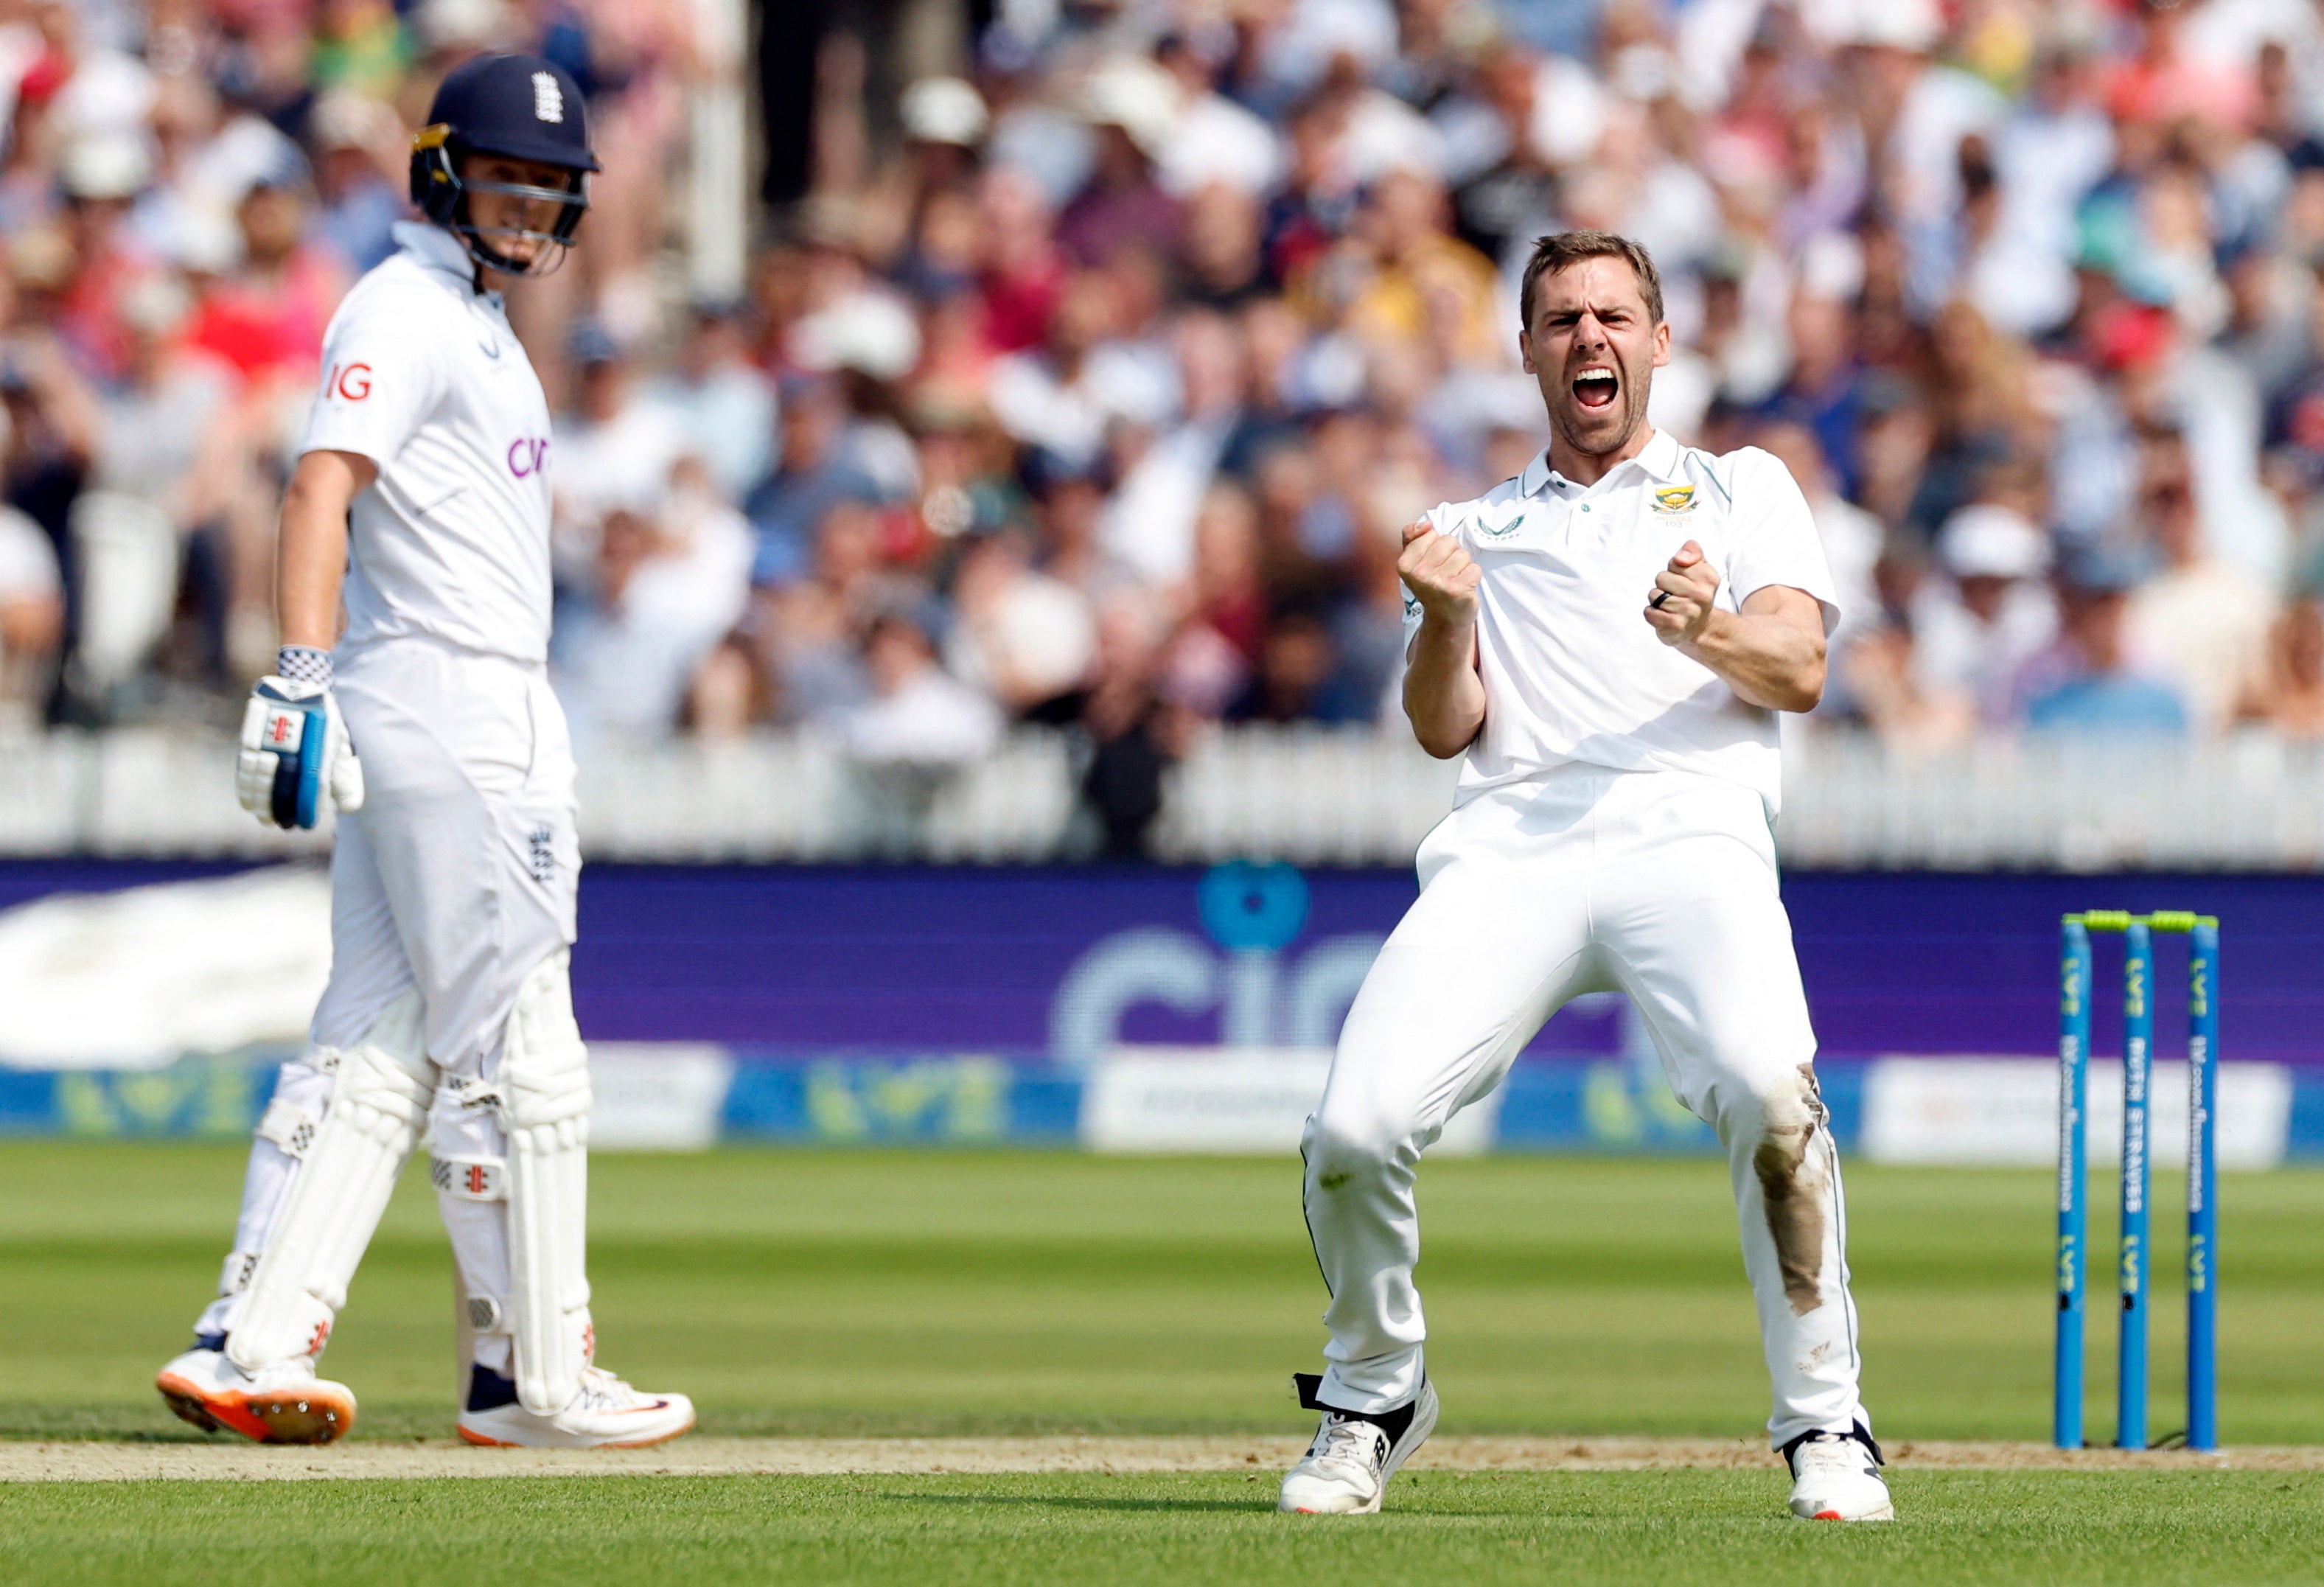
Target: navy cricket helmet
column 519, row 107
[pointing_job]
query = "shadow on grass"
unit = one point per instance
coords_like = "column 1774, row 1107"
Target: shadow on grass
column 1255, row 1507
column 1081, row 1501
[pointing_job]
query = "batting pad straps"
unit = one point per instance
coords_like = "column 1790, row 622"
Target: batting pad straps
column 380, row 1097
column 289, row 1126
column 543, row 1083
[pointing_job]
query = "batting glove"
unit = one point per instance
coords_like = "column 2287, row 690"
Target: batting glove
column 294, row 747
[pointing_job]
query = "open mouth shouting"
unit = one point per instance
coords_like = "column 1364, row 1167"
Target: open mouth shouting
column 1596, row 387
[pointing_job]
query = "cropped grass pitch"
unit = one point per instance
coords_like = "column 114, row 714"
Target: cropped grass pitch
column 811, row 1293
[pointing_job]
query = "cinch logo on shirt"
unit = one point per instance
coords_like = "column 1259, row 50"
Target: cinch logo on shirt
column 349, row 382
column 528, row 456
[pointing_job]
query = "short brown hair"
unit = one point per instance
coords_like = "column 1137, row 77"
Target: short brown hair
column 1562, row 252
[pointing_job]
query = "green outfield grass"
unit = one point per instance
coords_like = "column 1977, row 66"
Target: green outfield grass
column 938, row 1292
column 1657, row 1529
column 935, row 1293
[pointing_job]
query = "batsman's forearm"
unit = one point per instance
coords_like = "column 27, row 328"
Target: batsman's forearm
column 311, row 562
column 1444, row 695
column 1766, row 662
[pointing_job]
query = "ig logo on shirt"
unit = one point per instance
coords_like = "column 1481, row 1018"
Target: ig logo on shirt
column 349, row 382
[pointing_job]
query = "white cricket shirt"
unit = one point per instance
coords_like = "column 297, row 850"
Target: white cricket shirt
column 1572, row 671
column 423, row 375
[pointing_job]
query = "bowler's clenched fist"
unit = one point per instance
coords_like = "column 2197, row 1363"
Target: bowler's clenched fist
column 1439, row 574
column 1680, row 603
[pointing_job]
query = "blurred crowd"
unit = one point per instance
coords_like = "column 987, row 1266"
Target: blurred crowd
column 1092, row 382
column 186, row 189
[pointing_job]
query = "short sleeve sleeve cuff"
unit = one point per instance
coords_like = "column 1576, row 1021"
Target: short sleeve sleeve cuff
column 1776, row 542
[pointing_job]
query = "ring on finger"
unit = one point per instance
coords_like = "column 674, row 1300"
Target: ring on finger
column 1657, row 598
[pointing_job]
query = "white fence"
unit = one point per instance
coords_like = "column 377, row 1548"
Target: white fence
column 1311, row 795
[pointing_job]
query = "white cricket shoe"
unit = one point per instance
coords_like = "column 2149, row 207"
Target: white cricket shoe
column 281, row 1404
column 1835, row 1477
column 606, row 1413
column 1348, row 1466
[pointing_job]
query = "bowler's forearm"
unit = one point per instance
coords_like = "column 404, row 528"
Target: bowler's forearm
column 1767, row 661
column 1444, row 695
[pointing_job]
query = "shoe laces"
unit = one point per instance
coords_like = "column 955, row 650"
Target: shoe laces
column 1832, row 1453
column 1351, row 1441
column 601, row 1390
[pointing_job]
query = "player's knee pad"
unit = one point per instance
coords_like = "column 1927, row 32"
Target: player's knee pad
column 349, row 1157
column 543, row 1086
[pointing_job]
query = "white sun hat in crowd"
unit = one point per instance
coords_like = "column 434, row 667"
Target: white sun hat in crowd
column 944, row 110
column 873, row 331
column 102, row 166
column 1138, row 97
column 1915, row 26
column 1989, row 541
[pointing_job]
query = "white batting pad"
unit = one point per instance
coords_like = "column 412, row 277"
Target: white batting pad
column 544, row 1089
column 380, row 1094
column 470, row 1178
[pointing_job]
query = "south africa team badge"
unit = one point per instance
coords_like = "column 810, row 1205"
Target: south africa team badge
column 1675, row 499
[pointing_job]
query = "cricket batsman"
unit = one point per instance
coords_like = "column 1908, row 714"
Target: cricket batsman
column 423, row 486
column 1607, row 639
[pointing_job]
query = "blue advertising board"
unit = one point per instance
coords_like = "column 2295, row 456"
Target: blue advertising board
column 1061, row 960
column 964, row 1006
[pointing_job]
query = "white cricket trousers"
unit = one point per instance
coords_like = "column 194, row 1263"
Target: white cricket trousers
column 1659, row 885
column 459, row 876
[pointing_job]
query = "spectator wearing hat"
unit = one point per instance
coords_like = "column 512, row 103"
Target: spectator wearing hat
column 2087, row 683
column 1990, row 614
column 1214, row 142
column 357, row 165
column 101, row 175
column 1131, row 107
column 94, row 90
column 945, row 125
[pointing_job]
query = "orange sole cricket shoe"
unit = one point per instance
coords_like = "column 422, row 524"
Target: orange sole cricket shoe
column 282, row 1407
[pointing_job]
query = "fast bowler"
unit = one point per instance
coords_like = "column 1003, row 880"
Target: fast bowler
column 1607, row 639
column 422, row 486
